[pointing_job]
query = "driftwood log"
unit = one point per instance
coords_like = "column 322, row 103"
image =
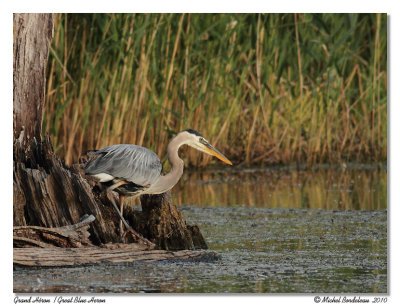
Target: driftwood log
column 49, row 196
column 124, row 253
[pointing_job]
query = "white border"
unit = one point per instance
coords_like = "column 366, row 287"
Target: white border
column 204, row 6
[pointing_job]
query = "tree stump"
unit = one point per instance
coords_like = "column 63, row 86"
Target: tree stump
column 47, row 193
column 162, row 223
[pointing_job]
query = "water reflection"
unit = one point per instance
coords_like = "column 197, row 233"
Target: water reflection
column 331, row 189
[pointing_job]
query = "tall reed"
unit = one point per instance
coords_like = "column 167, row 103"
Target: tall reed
column 263, row 88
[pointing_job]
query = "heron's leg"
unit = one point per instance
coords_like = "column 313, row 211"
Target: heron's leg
column 121, row 200
column 129, row 229
column 111, row 188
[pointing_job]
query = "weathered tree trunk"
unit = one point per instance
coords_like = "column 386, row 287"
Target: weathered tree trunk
column 48, row 193
column 32, row 36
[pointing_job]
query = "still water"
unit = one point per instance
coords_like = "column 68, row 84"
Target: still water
column 276, row 230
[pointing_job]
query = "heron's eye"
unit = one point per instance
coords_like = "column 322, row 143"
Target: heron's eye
column 201, row 139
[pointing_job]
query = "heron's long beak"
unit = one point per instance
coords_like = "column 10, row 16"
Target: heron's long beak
column 213, row 151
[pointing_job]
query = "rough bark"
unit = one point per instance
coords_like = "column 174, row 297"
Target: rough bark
column 49, row 194
column 70, row 236
column 32, row 36
column 162, row 223
column 46, row 192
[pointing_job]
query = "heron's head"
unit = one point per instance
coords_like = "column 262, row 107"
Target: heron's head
column 197, row 141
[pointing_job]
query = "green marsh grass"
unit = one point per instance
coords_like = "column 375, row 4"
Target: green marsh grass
column 263, row 88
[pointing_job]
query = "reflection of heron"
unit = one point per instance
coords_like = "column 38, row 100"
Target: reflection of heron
column 134, row 170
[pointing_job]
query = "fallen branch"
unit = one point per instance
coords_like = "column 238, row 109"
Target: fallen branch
column 70, row 236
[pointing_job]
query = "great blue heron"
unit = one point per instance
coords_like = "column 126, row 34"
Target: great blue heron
column 133, row 170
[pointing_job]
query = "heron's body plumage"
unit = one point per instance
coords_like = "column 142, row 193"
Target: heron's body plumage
column 134, row 164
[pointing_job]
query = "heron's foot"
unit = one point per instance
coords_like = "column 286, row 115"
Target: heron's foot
column 137, row 237
column 105, row 194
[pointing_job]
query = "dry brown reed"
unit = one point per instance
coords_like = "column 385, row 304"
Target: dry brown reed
column 263, row 88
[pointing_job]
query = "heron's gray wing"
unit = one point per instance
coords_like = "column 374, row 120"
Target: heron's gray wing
column 129, row 162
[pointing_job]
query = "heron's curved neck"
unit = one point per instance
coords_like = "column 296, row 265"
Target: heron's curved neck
column 166, row 182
